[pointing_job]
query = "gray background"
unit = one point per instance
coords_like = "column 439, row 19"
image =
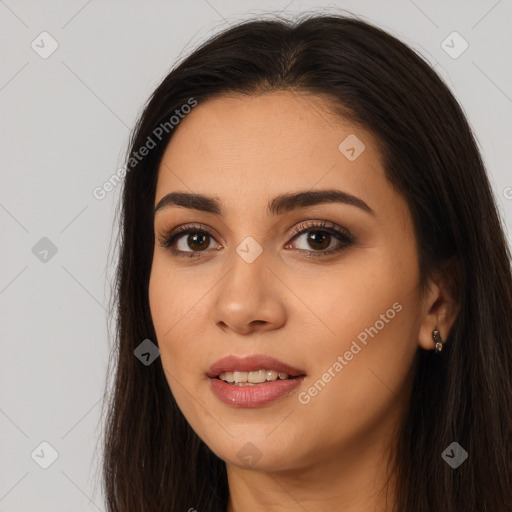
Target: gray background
column 65, row 125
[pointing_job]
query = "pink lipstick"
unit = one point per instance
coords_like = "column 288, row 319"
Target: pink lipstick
column 252, row 381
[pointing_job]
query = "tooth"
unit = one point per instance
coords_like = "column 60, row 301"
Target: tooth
column 257, row 377
column 271, row 374
column 253, row 377
column 240, row 376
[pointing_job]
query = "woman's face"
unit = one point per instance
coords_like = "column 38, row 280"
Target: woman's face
column 323, row 287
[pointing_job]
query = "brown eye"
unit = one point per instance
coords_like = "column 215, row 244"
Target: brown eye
column 187, row 240
column 319, row 240
column 197, row 241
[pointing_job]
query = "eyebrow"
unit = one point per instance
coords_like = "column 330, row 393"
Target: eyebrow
column 278, row 206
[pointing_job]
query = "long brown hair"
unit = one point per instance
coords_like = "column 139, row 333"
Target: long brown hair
column 153, row 460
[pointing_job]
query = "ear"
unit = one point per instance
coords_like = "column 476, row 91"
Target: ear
column 440, row 305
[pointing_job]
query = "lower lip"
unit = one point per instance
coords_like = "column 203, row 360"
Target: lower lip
column 253, row 396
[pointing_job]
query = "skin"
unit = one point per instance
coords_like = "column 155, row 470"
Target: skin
column 331, row 453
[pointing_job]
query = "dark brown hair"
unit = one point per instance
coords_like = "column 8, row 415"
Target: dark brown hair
column 153, row 460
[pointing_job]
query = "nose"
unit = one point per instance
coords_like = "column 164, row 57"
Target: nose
column 250, row 298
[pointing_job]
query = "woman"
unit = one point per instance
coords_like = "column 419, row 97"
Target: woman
column 310, row 239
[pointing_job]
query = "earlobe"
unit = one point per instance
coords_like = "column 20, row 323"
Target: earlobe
column 441, row 311
column 431, row 333
column 435, row 329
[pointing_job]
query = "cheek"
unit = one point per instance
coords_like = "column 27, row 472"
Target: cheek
column 353, row 296
column 168, row 310
column 171, row 299
column 372, row 319
column 176, row 309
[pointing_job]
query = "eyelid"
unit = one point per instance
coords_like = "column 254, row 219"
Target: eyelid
column 320, row 225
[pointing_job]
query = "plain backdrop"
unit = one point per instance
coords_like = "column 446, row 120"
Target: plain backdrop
column 66, row 117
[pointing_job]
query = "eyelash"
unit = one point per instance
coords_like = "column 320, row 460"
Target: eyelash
column 167, row 238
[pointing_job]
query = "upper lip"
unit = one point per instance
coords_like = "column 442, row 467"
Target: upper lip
column 251, row 363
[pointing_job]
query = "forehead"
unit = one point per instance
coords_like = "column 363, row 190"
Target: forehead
column 246, row 145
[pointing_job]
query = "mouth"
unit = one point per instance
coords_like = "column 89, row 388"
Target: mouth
column 252, row 370
column 253, row 381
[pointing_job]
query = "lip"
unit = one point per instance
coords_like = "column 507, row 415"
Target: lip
column 257, row 395
column 251, row 363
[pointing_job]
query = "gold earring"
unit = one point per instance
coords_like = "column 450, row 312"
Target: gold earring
column 437, row 340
